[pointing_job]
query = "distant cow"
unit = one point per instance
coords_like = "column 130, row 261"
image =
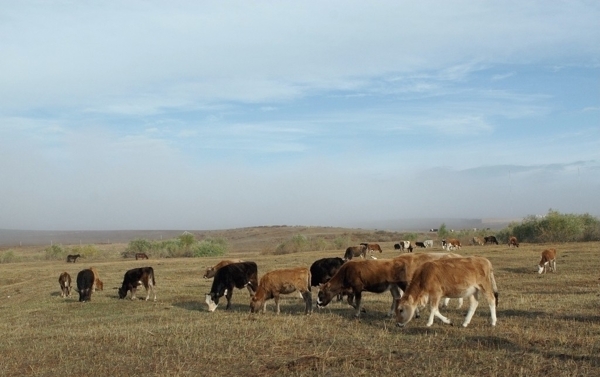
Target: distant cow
column 141, row 256
column 512, row 241
column 85, row 282
column 490, row 239
column 371, row 247
column 355, row 251
column 233, row 275
column 428, row 243
column 211, row 271
column 451, row 244
column 477, row 241
column 397, row 246
column 284, row 281
column 136, row 277
column 404, row 245
column 548, row 259
column 98, row 284
column 72, row 258
column 467, row 277
column 420, row 244
column 65, row 284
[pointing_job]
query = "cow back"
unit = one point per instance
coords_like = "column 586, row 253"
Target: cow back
column 237, row 275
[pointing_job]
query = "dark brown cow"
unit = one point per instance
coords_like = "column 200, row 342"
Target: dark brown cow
column 512, row 241
column 85, row 282
column 136, row 277
column 490, row 239
column 141, row 256
column 467, row 277
column 211, row 271
column 65, row 284
column 284, row 281
column 72, row 258
column 355, row 251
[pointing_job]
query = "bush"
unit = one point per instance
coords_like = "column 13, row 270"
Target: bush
column 295, row 244
column 8, row 257
column 86, row 251
column 139, row 245
column 55, row 252
column 210, row 247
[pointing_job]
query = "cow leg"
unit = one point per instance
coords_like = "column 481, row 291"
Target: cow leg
column 307, row 295
column 395, row 291
column 358, row 299
column 228, row 297
column 276, row 298
column 473, row 303
column 446, row 302
column 133, row 289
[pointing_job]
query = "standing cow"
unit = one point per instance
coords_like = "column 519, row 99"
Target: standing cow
column 85, row 283
column 355, row 251
column 65, row 284
column 512, row 241
column 284, row 281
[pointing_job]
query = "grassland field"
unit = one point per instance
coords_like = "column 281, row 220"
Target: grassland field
column 547, row 324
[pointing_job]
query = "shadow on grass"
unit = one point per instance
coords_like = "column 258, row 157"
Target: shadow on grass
column 493, row 343
column 191, row 305
column 581, row 318
column 521, row 313
column 520, row 270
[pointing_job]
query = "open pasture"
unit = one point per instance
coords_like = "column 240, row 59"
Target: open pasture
column 547, row 324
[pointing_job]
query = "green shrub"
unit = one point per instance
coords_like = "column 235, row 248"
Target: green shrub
column 139, row 245
column 55, row 251
column 210, row 247
column 8, row 257
column 86, row 251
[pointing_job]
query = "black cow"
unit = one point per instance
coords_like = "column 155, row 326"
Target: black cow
column 490, row 239
column 323, row 269
column 397, row 246
column 420, row 244
column 85, row 281
column 72, row 258
column 136, row 277
column 238, row 275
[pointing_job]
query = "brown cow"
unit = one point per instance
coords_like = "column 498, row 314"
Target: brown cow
column 73, row 258
column 374, row 276
column 466, row 277
column 513, row 242
column 284, row 281
column 548, row 259
column 65, row 284
column 477, row 241
column 371, row 247
column 141, row 256
column 451, row 244
column 355, row 251
column 98, row 284
column 211, row 271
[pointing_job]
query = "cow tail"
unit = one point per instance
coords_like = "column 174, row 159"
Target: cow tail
column 153, row 281
column 494, row 287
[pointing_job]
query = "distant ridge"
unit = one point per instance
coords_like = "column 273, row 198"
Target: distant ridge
column 425, row 224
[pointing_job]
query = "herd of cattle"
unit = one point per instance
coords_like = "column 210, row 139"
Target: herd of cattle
column 413, row 279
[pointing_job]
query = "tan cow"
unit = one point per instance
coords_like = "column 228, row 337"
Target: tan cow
column 512, row 241
column 451, row 244
column 375, row 276
column 467, row 277
column 98, row 284
column 211, row 271
column 65, row 284
column 284, row 281
column 548, row 259
column 477, row 241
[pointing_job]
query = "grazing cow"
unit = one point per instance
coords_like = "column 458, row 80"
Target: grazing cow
column 65, row 284
column 211, row 271
column 136, row 277
column 420, row 244
column 98, row 284
column 477, row 241
column 490, row 239
column 284, row 281
column 371, row 247
column 548, row 259
column 397, row 246
column 467, row 277
column 355, row 251
column 141, row 256
column 404, row 245
column 428, row 243
column 512, row 241
column 85, row 282
column 72, row 258
column 322, row 270
column 451, row 244
column 238, row 275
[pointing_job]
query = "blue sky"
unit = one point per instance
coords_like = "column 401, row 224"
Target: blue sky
column 211, row 115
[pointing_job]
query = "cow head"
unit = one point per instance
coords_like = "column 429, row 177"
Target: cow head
column 325, row 295
column 212, row 300
column 209, row 273
column 122, row 293
column 255, row 304
column 404, row 312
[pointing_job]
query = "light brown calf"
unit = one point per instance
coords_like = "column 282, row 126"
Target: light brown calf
column 467, row 277
column 211, row 271
column 284, row 281
column 548, row 259
column 65, row 284
column 512, row 241
column 97, row 282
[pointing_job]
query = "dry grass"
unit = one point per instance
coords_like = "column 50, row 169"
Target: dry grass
column 547, row 325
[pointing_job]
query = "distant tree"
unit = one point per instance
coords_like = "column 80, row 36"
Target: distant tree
column 443, row 231
column 187, row 239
